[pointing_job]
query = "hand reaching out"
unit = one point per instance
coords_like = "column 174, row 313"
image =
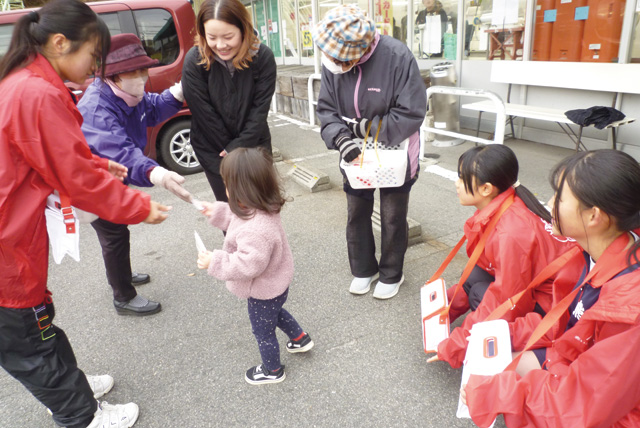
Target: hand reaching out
column 204, row 259
column 117, row 170
column 208, row 208
column 433, row 359
column 158, row 213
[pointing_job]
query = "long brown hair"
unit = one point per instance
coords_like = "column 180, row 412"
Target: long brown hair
column 232, row 12
column 252, row 182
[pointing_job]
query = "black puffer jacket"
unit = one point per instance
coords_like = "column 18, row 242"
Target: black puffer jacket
column 228, row 111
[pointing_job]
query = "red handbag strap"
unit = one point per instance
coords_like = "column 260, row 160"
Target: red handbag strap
column 473, row 259
column 546, row 273
column 545, row 325
column 612, row 262
column 67, row 213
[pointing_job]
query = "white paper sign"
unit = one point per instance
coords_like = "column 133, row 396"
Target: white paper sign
column 488, row 353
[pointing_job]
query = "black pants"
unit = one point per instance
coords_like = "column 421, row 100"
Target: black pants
column 361, row 246
column 39, row 355
column 265, row 316
column 217, row 185
column 476, row 285
column 116, row 252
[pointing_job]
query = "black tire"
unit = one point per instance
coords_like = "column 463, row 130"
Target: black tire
column 176, row 151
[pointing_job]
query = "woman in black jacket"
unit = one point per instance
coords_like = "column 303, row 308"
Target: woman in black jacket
column 229, row 78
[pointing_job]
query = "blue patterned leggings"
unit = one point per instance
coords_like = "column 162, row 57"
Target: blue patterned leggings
column 265, row 316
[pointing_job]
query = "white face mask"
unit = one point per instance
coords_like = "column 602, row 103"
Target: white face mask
column 332, row 66
column 134, row 86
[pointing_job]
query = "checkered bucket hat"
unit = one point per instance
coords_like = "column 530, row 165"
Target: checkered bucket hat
column 345, row 33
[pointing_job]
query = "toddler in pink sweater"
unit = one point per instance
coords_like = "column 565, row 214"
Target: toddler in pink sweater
column 255, row 259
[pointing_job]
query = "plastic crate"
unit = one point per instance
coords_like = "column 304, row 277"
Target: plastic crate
column 385, row 166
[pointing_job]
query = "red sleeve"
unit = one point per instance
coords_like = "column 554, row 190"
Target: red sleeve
column 101, row 162
column 58, row 151
column 600, row 387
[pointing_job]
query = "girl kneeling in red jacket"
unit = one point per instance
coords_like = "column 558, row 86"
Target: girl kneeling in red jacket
column 588, row 376
column 521, row 245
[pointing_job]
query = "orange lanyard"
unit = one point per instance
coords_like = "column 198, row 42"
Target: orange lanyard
column 474, row 256
column 612, row 262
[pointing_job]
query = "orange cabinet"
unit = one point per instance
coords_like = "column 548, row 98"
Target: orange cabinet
column 566, row 41
column 602, row 30
column 542, row 32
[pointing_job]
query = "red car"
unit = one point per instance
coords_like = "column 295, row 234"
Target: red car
column 167, row 31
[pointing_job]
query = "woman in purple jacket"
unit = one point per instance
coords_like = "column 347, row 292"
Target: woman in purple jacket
column 117, row 112
column 375, row 80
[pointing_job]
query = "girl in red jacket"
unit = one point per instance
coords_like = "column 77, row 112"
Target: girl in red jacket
column 589, row 375
column 515, row 252
column 41, row 149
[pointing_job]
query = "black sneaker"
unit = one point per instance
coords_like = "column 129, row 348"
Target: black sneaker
column 258, row 375
column 302, row 345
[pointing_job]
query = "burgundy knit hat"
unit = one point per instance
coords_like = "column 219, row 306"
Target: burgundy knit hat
column 127, row 54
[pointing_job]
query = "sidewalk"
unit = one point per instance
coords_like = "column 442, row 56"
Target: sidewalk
column 185, row 366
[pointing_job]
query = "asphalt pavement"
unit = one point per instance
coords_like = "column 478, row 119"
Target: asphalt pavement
column 185, row 366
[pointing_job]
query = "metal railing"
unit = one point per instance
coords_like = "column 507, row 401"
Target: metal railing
column 310, row 95
column 501, row 116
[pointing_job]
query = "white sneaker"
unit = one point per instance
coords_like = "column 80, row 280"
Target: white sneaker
column 387, row 291
column 115, row 416
column 100, row 385
column 362, row 285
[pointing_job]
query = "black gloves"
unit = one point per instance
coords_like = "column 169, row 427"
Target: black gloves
column 348, row 149
column 359, row 127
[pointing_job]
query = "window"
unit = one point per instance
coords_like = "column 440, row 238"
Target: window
column 494, row 29
column 435, row 26
column 578, row 30
column 157, row 32
column 288, row 28
column 391, row 18
column 635, row 42
column 5, row 38
column 112, row 21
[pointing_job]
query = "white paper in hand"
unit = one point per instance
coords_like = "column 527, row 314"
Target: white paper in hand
column 199, row 244
column 488, row 353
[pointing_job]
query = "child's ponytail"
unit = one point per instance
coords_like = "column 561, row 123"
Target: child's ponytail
column 72, row 18
column 498, row 165
column 533, row 203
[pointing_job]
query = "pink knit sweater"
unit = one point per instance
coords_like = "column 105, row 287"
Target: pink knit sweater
column 255, row 259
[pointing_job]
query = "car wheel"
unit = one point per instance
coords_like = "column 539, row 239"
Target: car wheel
column 176, row 151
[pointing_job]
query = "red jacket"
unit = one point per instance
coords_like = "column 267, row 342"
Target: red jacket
column 41, row 149
column 520, row 246
column 592, row 377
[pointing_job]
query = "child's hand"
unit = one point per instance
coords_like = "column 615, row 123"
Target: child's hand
column 204, row 259
column 463, row 395
column 208, row 208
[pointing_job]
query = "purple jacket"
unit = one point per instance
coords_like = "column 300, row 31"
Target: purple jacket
column 255, row 259
column 118, row 132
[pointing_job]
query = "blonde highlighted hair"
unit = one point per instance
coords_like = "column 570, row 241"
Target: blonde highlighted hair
column 232, row 12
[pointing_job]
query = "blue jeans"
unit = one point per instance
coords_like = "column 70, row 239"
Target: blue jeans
column 265, row 316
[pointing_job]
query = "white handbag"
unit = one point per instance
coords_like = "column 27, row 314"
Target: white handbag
column 63, row 226
column 488, row 353
column 433, row 300
column 433, row 295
